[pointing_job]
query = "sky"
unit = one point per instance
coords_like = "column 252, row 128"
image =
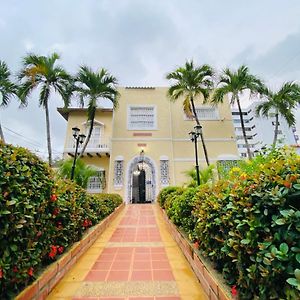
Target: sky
column 139, row 42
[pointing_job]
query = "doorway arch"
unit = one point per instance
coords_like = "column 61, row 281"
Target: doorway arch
column 150, row 179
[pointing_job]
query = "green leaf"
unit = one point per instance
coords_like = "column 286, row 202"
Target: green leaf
column 280, row 221
column 296, row 186
column 287, row 212
column 297, row 274
column 14, row 247
column 292, row 281
column 19, row 226
column 298, row 257
column 284, row 248
column 245, row 241
column 12, row 202
column 5, row 212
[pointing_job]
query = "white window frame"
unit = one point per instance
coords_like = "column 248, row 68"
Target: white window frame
column 99, row 190
column 141, row 106
column 217, row 117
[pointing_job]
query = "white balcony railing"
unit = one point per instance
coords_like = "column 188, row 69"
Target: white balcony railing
column 95, row 146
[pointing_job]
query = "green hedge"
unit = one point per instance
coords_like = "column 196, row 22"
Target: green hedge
column 39, row 217
column 249, row 224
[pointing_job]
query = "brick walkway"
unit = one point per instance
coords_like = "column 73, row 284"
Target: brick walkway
column 135, row 258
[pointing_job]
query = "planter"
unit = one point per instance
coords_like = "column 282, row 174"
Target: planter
column 211, row 285
column 42, row 286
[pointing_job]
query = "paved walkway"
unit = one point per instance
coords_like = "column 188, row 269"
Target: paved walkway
column 135, row 258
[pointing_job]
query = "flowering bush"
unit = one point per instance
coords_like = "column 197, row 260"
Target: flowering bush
column 248, row 224
column 39, row 217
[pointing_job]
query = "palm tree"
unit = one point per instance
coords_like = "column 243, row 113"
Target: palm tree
column 190, row 83
column 8, row 89
column 235, row 83
column 82, row 171
column 41, row 72
column 92, row 86
column 283, row 103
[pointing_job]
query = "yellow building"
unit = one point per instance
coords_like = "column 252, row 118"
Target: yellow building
column 144, row 144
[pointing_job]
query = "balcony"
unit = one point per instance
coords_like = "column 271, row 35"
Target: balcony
column 94, row 147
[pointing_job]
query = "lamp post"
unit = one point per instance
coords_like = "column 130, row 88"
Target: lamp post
column 194, row 137
column 79, row 138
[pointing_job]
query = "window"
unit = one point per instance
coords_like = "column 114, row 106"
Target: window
column 97, row 184
column 142, row 117
column 205, row 113
column 118, row 173
column 164, row 172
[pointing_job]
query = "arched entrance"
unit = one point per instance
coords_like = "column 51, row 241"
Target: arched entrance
column 141, row 182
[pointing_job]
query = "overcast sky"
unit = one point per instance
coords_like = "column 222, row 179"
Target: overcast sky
column 139, row 41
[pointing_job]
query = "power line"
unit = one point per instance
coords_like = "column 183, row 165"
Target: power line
column 30, row 141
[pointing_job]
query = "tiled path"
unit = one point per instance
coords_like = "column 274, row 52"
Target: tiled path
column 135, row 258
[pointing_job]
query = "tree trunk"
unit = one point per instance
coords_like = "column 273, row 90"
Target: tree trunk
column 87, row 139
column 276, row 130
column 243, row 127
column 1, row 134
column 201, row 134
column 48, row 134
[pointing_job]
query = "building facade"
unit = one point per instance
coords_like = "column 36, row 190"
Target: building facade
column 260, row 130
column 144, row 144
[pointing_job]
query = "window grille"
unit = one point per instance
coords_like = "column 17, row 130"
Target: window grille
column 164, row 172
column 205, row 113
column 118, row 173
column 142, row 117
column 97, row 183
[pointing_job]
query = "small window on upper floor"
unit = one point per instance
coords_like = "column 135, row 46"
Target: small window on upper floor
column 205, row 113
column 141, row 117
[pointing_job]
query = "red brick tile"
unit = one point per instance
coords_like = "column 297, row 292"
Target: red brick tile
column 141, row 275
column 96, row 276
column 163, row 275
column 142, row 250
column 158, row 264
column 125, row 249
column 159, row 256
column 109, row 251
column 142, row 256
column 123, row 256
column 141, row 298
column 102, row 265
column 121, row 265
column 106, row 257
column 158, row 250
column 142, row 265
column 118, row 276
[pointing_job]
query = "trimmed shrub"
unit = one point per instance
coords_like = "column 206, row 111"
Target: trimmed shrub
column 165, row 193
column 39, row 217
column 249, row 225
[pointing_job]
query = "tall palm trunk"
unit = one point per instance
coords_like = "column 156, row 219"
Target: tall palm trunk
column 243, row 127
column 1, row 134
column 48, row 134
column 92, row 118
column 201, row 134
column 276, row 130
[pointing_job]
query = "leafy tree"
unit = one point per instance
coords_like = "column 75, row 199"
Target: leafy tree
column 191, row 83
column 8, row 89
column 41, row 72
column 82, row 171
column 235, row 83
column 206, row 175
column 92, row 86
column 283, row 103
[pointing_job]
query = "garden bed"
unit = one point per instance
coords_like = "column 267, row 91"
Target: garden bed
column 45, row 283
column 211, row 281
